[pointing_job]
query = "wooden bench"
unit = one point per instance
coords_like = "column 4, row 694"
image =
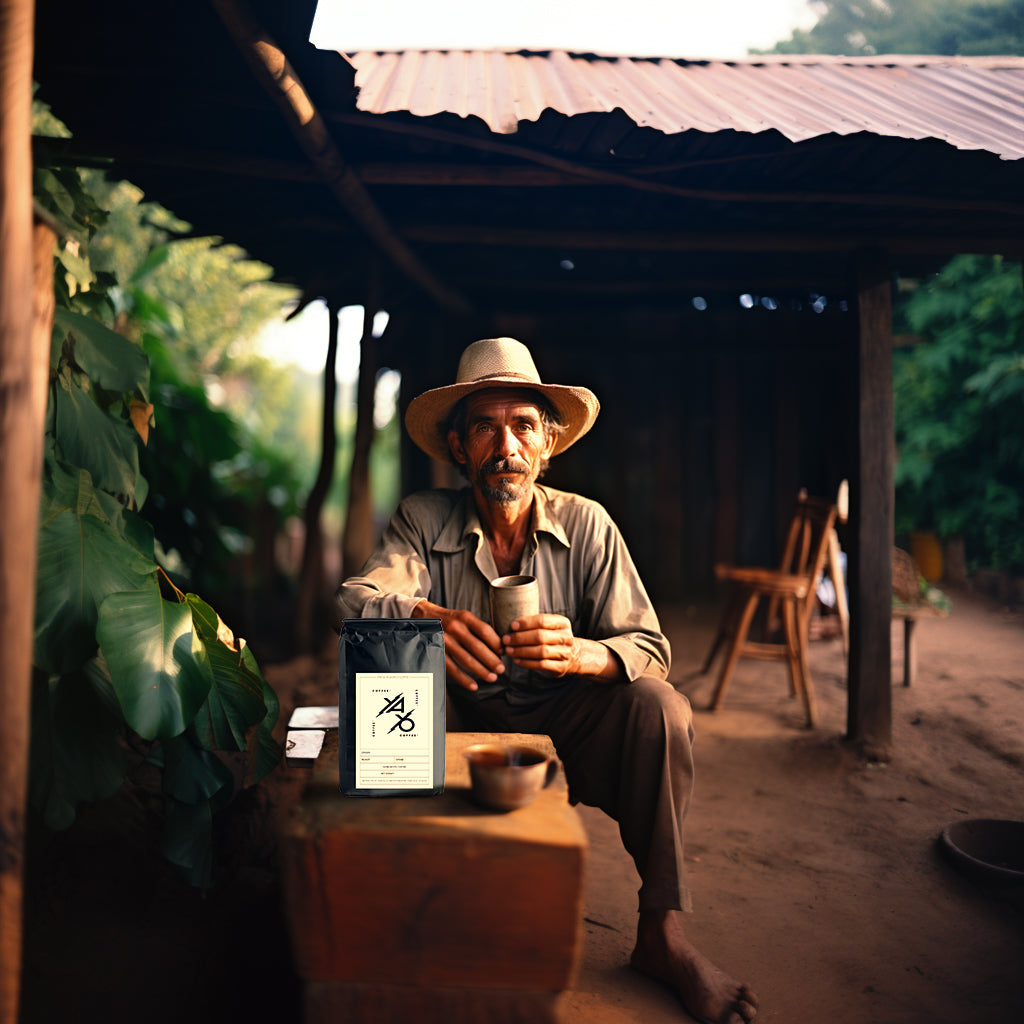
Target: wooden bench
column 431, row 909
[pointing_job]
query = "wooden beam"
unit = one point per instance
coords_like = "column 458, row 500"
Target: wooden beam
column 872, row 517
column 95, row 152
column 433, row 174
column 469, row 174
column 610, row 176
column 717, row 241
column 678, row 284
column 26, row 309
column 1008, row 244
column 101, row 153
column 273, row 70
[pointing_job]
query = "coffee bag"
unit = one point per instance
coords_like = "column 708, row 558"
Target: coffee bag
column 391, row 707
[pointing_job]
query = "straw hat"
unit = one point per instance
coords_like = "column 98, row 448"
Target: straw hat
column 491, row 363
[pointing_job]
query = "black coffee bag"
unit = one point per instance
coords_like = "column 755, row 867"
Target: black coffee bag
column 391, row 707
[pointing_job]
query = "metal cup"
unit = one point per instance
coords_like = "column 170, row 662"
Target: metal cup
column 512, row 597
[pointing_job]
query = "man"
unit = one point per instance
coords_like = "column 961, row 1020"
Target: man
column 589, row 670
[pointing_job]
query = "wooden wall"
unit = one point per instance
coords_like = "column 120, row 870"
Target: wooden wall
column 709, row 424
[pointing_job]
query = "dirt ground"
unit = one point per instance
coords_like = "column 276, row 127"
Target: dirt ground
column 815, row 874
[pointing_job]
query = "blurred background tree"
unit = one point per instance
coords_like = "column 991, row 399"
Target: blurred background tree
column 959, row 389
column 960, row 400
column 869, row 27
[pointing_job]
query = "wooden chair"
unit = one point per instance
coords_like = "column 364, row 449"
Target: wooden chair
column 833, row 565
column 789, row 593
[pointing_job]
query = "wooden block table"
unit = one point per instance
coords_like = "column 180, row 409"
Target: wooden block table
column 431, row 909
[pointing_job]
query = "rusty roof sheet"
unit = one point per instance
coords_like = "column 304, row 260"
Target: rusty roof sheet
column 969, row 102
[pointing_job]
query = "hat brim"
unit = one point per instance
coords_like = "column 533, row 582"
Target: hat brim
column 426, row 418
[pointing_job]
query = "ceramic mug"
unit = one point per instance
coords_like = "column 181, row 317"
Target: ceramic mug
column 512, row 597
column 505, row 777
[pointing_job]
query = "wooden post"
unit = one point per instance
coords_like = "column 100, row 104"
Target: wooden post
column 357, row 536
column 312, row 572
column 869, row 709
column 24, row 316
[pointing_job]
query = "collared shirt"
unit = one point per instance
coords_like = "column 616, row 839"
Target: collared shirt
column 434, row 548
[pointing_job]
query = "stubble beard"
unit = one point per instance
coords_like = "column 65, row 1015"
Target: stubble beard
column 508, row 489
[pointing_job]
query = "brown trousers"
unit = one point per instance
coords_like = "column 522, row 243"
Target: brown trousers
column 627, row 749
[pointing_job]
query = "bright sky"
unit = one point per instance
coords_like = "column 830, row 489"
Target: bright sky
column 639, row 28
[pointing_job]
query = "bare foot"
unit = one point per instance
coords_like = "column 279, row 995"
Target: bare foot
column 711, row 996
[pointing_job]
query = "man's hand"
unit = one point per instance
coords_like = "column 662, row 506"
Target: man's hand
column 471, row 647
column 545, row 643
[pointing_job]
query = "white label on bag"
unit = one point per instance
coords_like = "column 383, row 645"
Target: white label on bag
column 394, row 730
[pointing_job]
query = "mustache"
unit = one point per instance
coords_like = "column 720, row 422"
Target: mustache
column 504, row 466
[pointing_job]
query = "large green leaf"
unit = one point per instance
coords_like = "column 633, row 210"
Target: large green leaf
column 188, row 841
column 76, row 754
column 192, row 774
column 93, row 439
column 82, row 559
column 268, row 750
column 139, row 533
column 235, row 701
column 198, row 784
column 158, row 665
column 106, row 357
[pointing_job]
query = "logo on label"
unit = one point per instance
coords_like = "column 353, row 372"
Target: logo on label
column 396, row 705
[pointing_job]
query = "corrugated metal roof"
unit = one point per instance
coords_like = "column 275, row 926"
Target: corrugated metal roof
column 969, row 102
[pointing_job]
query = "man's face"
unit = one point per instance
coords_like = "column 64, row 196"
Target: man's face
column 505, row 444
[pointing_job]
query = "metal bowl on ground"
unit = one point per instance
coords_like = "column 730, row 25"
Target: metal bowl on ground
column 988, row 849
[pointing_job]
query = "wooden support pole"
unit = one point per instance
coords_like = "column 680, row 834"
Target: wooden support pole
column 872, row 517
column 312, row 571
column 357, row 536
column 274, row 72
column 24, row 317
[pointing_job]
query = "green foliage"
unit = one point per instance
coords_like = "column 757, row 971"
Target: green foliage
column 959, row 408
column 123, row 659
column 960, row 393
column 867, row 27
column 166, row 282
column 209, row 479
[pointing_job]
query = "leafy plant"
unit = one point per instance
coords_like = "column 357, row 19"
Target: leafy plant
column 959, row 397
column 125, row 662
column 960, row 393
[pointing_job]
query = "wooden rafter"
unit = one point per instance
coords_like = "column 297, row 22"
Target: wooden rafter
column 605, row 176
column 716, row 241
column 273, row 70
column 723, row 240
column 434, row 174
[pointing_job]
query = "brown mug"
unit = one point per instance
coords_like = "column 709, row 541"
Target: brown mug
column 505, row 777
